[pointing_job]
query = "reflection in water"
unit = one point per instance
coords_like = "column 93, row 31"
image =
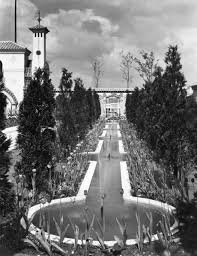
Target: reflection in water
column 106, row 180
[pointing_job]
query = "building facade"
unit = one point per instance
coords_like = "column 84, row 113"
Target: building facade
column 39, row 47
column 112, row 101
column 18, row 66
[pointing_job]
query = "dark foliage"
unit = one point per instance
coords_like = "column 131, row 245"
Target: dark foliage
column 186, row 213
column 97, row 104
column 11, row 121
column 6, row 193
column 77, row 110
column 36, row 130
column 64, row 114
column 80, row 108
column 158, row 110
column 13, row 232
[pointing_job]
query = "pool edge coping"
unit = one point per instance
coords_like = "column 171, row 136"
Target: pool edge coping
column 81, row 198
column 127, row 197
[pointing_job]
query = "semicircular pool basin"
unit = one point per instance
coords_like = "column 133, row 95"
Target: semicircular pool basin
column 76, row 213
column 108, row 179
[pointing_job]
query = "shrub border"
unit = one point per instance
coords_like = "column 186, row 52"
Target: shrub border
column 103, row 134
column 128, row 198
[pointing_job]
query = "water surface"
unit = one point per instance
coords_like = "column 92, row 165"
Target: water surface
column 106, row 180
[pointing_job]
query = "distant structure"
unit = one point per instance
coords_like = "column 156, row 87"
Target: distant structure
column 18, row 68
column 39, row 45
column 112, row 101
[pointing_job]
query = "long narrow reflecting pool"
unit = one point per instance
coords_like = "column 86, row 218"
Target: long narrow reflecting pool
column 106, row 181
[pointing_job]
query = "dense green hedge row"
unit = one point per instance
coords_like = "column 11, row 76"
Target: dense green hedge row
column 163, row 116
column 77, row 110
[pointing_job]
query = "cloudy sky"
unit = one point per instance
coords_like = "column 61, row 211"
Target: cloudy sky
column 83, row 29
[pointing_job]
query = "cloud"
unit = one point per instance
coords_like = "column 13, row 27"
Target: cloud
column 74, row 42
column 82, row 29
column 25, row 18
column 92, row 26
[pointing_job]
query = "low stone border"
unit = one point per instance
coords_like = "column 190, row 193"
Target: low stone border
column 106, row 126
column 121, row 147
column 119, row 134
column 97, row 151
column 125, row 182
column 79, row 198
column 10, row 129
column 128, row 198
column 85, row 185
column 11, row 133
column 103, row 134
column 98, row 148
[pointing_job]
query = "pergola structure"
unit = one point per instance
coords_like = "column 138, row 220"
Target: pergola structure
column 112, row 101
column 113, row 90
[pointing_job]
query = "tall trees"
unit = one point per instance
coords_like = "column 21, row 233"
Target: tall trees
column 97, row 104
column 77, row 110
column 80, row 108
column 36, row 130
column 146, row 66
column 91, row 106
column 64, row 113
column 6, row 195
column 125, row 67
column 132, row 103
column 158, row 109
column 175, row 103
column 97, row 68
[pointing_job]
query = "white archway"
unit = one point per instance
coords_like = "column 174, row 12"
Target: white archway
column 13, row 103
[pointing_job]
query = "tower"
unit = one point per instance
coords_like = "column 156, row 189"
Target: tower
column 39, row 45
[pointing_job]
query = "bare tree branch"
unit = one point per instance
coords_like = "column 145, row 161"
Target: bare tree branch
column 97, row 68
column 125, row 66
column 147, row 66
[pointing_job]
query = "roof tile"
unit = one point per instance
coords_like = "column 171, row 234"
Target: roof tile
column 11, row 46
